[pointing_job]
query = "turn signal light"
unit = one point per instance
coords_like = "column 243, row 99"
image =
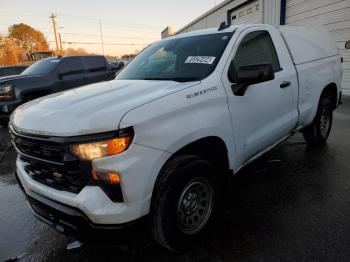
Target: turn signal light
column 109, row 177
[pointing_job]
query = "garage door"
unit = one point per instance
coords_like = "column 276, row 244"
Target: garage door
column 335, row 15
column 248, row 14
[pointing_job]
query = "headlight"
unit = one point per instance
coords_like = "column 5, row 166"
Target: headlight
column 6, row 92
column 94, row 150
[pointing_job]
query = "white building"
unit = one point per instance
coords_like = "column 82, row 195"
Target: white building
column 334, row 14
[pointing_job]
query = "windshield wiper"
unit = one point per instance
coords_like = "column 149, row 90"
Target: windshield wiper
column 155, row 78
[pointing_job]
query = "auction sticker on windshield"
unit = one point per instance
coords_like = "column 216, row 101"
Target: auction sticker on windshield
column 200, row 60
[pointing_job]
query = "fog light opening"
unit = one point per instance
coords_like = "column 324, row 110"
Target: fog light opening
column 112, row 178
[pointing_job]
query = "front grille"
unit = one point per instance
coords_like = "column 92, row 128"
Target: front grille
column 50, row 163
column 60, row 178
column 39, row 150
column 48, row 160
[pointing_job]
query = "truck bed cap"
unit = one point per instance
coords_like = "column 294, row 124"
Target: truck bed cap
column 309, row 43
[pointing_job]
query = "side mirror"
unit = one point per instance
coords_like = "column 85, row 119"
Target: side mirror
column 249, row 75
column 120, row 65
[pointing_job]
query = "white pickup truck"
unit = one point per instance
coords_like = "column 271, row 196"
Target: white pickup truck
column 161, row 140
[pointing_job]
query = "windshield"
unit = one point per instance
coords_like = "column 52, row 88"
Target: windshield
column 183, row 59
column 42, row 67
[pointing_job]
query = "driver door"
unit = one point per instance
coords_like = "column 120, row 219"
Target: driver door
column 266, row 112
column 71, row 73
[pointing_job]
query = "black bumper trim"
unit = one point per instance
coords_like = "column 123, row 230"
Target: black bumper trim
column 67, row 219
column 340, row 101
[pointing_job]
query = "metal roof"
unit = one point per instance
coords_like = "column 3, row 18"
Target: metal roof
column 214, row 9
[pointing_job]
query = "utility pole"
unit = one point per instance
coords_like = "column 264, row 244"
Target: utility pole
column 52, row 16
column 59, row 37
column 103, row 49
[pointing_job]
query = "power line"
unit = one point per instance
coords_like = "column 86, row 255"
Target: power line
column 96, row 43
column 109, row 36
column 125, row 27
column 75, row 17
column 117, row 27
column 98, row 35
column 111, row 21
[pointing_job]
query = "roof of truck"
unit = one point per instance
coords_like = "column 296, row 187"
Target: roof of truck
column 208, row 31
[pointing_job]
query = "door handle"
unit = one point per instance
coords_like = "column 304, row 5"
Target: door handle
column 285, row 84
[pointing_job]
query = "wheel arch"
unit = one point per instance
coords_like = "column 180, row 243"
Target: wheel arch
column 330, row 90
column 211, row 148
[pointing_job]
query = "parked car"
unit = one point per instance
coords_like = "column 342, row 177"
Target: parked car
column 11, row 70
column 162, row 140
column 116, row 66
column 49, row 76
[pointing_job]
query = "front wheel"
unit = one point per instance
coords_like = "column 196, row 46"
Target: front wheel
column 184, row 202
column 318, row 132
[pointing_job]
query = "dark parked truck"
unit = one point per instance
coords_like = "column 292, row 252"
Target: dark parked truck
column 49, row 76
column 12, row 70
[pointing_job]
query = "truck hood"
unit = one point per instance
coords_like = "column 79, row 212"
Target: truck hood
column 12, row 78
column 89, row 109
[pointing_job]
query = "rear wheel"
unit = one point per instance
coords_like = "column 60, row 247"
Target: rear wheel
column 184, row 202
column 318, row 132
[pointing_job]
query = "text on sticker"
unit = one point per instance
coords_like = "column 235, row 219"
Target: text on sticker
column 200, row 60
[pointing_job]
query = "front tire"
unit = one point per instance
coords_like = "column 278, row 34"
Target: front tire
column 318, row 132
column 184, row 202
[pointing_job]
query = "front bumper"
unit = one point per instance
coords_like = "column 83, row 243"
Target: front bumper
column 68, row 220
column 138, row 169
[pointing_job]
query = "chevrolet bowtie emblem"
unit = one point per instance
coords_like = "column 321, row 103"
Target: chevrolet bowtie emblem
column 57, row 175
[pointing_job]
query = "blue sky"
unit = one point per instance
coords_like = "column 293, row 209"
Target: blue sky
column 124, row 22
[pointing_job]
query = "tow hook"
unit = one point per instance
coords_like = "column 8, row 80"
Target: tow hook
column 74, row 245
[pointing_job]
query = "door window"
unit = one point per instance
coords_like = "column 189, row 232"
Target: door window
column 95, row 64
column 71, row 66
column 257, row 48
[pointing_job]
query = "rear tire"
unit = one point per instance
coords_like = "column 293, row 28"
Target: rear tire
column 184, row 202
column 318, row 132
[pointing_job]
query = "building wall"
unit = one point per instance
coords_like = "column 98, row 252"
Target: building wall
column 249, row 13
column 169, row 31
column 214, row 17
column 334, row 14
column 271, row 12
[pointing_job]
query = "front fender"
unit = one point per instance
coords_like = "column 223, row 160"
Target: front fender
column 174, row 121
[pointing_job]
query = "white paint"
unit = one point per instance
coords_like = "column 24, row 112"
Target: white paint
column 165, row 118
column 309, row 43
column 81, row 108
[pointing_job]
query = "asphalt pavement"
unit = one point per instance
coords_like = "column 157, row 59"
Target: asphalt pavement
column 293, row 204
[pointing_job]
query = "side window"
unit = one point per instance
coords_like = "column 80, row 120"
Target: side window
column 95, row 64
column 257, row 48
column 71, row 66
